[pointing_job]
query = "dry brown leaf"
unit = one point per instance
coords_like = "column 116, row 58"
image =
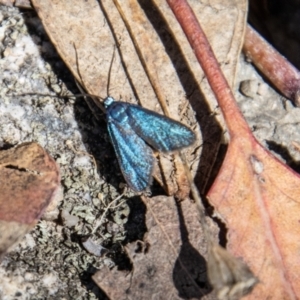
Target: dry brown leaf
column 168, row 263
column 170, row 61
column 257, row 196
column 29, row 181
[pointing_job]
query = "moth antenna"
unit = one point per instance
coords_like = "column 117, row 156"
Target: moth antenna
column 77, row 66
column 81, row 84
column 109, row 71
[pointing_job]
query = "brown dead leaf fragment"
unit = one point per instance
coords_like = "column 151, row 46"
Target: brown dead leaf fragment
column 167, row 264
column 29, row 180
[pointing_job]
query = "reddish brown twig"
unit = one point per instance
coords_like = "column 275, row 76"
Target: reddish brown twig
column 281, row 73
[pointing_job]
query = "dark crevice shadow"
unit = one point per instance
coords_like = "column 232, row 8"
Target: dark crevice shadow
column 278, row 22
column 87, row 281
column 210, row 211
column 285, row 154
column 210, row 128
column 223, row 231
column 119, row 256
column 190, row 270
column 216, row 167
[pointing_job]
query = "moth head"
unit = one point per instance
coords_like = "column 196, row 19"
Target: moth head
column 108, row 101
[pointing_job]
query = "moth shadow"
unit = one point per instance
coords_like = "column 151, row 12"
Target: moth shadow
column 190, row 270
column 285, row 154
column 87, row 281
column 136, row 225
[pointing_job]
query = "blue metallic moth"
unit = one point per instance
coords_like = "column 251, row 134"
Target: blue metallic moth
column 132, row 129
